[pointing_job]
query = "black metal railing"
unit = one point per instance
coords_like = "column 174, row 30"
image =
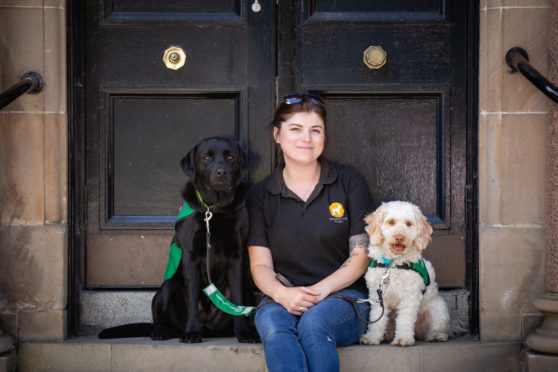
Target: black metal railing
column 30, row 82
column 518, row 59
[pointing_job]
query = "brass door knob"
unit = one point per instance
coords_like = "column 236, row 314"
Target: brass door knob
column 374, row 57
column 174, row 57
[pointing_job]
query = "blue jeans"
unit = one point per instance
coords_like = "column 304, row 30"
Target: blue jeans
column 309, row 342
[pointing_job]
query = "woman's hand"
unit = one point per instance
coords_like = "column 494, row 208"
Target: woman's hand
column 322, row 289
column 296, row 300
column 293, row 299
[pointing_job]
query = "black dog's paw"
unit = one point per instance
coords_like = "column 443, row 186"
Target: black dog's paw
column 248, row 338
column 245, row 333
column 194, row 337
column 160, row 333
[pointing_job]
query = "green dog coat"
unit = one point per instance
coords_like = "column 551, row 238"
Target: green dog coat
column 175, row 253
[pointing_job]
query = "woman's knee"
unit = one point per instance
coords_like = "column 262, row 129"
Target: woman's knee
column 272, row 319
column 316, row 321
column 334, row 321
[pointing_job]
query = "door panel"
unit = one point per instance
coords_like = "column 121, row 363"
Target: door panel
column 142, row 118
column 412, row 144
column 153, row 120
column 172, row 7
column 403, row 9
column 127, row 260
column 404, row 124
column 147, row 11
column 141, row 160
column 332, row 53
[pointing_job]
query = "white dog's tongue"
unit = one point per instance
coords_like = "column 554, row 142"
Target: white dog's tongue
column 398, row 247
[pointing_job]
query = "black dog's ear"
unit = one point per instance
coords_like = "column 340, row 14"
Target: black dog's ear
column 188, row 164
column 244, row 161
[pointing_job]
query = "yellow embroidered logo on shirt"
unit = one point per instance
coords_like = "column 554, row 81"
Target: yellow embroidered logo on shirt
column 336, row 210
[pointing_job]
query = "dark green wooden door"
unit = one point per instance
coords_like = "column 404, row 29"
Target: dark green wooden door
column 403, row 124
column 142, row 117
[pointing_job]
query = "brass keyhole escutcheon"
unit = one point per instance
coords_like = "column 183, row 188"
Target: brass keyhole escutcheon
column 374, row 57
column 174, row 57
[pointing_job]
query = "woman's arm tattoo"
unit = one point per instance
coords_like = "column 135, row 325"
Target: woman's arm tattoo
column 348, row 261
column 358, row 241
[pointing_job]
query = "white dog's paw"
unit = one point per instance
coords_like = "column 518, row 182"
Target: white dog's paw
column 367, row 339
column 437, row 336
column 403, row 341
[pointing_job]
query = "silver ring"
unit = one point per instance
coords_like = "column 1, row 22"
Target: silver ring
column 301, row 309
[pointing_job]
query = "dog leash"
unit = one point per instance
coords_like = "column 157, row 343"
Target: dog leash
column 207, row 217
column 211, row 291
column 175, row 255
column 388, row 264
column 352, row 300
column 221, row 302
column 379, row 291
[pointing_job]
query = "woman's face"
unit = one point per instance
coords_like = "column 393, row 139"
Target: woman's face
column 301, row 137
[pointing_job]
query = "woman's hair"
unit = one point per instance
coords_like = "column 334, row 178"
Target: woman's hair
column 297, row 102
column 291, row 104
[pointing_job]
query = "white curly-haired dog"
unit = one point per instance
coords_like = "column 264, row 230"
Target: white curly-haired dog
column 398, row 234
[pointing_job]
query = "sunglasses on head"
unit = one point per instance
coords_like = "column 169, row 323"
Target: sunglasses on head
column 294, row 98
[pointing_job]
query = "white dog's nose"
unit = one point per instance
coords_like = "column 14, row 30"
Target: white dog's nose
column 399, row 238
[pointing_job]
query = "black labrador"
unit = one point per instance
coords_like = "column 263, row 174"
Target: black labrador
column 217, row 169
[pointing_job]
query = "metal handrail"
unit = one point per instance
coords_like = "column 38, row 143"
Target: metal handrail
column 31, row 82
column 518, row 59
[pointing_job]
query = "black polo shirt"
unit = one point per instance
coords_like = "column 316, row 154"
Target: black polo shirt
column 309, row 240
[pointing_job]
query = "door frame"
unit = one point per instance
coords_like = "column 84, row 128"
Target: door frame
column 472, row 168
column 75, row 62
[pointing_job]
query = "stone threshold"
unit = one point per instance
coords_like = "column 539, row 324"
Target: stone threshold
column 103, row 309
column 226, row 354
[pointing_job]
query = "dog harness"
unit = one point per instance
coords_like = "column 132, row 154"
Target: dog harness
column 175, row 254
column 418, row 267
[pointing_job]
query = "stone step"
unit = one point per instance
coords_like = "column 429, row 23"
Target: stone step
column 226, row 354
column 103, row 309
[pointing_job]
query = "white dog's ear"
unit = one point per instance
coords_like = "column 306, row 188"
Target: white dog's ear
column 424, row 231
column 374, row 222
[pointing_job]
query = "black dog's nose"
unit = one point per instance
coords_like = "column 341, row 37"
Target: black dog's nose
column 221, row 172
